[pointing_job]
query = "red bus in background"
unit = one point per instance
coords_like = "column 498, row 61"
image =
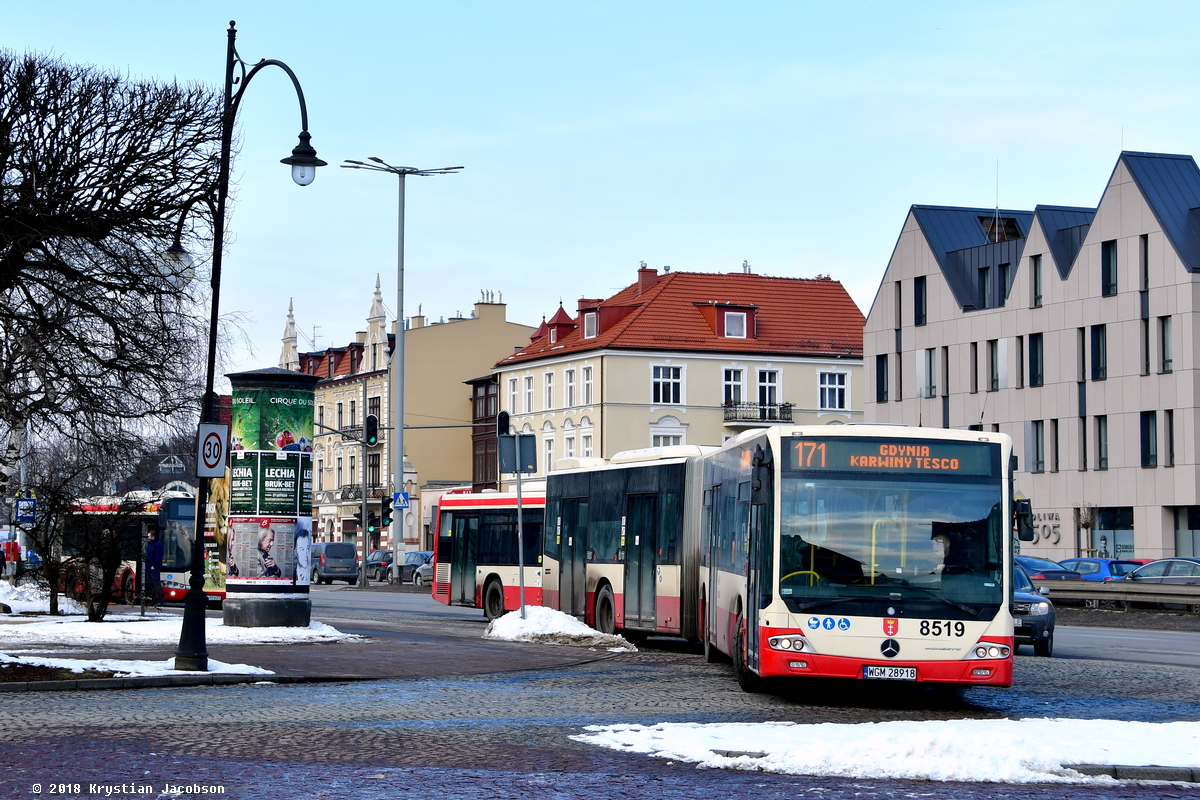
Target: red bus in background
column 475, row 561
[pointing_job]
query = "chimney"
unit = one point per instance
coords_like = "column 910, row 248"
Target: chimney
column 647, row 277
column 589, row 302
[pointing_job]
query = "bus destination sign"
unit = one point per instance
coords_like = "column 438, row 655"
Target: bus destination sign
column 852, row 454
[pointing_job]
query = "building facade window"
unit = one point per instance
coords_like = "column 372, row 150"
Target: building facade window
column 528, row 394
column 920, row 300
column 373, row 471
column 1149, row 430
column 353, row 474
column 320, row 474
column 667, row 388
column 881, row 378
column 339, row 417
column 548, row 385
column 985, row 287
column 1102, row 441
column 589, row 325
column 375, row 405
column 1099, row 352
column 1035, row 281
column 1037, row 446
column 587, row 386
column 338, row 474
column 1169, row 437
column 664, row 441
column 569, row 388
column 1108, row 268
column 569, row 445
column 735, row 324
column 1020, row 362
column 1083, row 447
column 320, row 418
column 353, row 413
column 587, row 445
column 768, row 387
column 1003, row 276
column 512, row 396
column 548, row 451
column 1166, row 363
column 832, row 391
column 1054, row 463
column 974, row 367
column 1145, row 346
column 993, row 365
column 930, row 359
column 732, row 386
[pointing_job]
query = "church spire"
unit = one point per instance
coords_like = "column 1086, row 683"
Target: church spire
column 289, row 357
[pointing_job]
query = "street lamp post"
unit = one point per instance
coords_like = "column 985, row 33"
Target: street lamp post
column 397, row 415
column 192, row 653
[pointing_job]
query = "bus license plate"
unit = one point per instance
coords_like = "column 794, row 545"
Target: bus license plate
column 890, row 673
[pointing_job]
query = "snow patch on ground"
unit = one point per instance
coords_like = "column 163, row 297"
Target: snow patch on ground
column 131, row 669
column 133, row 631
column 996, row 751
column 29, row 596
column 548, row 626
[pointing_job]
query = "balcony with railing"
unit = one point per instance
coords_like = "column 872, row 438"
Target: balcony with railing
column 754, row 414
column 355, row 491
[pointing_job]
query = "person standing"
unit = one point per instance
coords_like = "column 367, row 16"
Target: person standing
column 154, row 559
column 3, row 560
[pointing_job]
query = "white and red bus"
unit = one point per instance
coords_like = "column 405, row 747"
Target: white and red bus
column 855, row 551
column 475, row 561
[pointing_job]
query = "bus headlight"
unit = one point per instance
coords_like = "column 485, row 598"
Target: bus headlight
column 793, row 643
column 988, row 650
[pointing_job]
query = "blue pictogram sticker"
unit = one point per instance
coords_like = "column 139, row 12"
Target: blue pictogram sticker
column 814, row 622
column 844, row 624
column 828, row 623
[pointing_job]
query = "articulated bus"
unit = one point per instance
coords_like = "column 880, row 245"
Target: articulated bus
column 850, row 551
column 475, row 561
column 172, row 516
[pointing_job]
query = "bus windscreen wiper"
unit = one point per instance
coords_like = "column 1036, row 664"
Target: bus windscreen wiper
column 974, row 612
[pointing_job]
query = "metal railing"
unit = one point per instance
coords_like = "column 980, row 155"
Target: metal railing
column 754, row 412
column 1092, row 592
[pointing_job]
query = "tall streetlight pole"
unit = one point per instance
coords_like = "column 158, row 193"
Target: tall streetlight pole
column 397, row 415
column 192, row 653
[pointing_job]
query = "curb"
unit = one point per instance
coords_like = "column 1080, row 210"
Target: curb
column 1144, row 773
column 162, row 681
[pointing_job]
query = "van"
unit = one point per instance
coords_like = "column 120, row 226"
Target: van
column 334, row 561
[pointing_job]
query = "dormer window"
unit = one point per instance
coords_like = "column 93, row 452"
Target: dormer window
column 589, row 325
column 553, row 335
column 735, row 324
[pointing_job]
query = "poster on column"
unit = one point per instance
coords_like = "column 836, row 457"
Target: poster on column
column 262, row 550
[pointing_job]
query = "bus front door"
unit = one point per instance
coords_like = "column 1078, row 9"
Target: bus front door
column 640, row 535
column 572, row 579
column 462, row 570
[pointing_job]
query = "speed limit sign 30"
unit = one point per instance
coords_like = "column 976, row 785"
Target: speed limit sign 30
column 210, row 451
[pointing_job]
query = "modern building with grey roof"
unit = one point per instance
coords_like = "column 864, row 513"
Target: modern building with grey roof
column 1073, row 330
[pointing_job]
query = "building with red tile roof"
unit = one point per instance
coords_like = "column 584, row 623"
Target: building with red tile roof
column 686, row 358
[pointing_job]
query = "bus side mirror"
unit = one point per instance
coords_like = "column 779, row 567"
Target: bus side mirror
column 760, row 476
column 1023, row 512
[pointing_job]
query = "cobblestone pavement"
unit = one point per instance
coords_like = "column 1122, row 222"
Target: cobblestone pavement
column 507, row 736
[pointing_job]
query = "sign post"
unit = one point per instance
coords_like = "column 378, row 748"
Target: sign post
column 517, row 454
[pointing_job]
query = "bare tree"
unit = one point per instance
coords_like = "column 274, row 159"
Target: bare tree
column 99, row 174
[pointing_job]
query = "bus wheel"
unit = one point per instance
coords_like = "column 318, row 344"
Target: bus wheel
column 493, row 601
column 606, row 615
column 745, row 676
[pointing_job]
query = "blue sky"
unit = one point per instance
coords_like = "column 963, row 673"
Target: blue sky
column 595, row 135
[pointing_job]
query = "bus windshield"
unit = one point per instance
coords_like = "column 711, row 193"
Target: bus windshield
column 179, row 527
column 878, row 545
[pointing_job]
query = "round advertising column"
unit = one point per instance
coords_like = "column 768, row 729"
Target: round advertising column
column 270, row 499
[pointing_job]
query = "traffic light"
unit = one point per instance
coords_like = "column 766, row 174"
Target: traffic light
column 385, row 511
column 372, row 523
column 502, row 424
column 371, row 430
column 358, row 520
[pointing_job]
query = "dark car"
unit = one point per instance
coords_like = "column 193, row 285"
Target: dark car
column 1043, row 569
column 1100, row 569
column 1184, row 571
column 334, row 561
column 411, row 563
column 1033, row 615
column 379, row 564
